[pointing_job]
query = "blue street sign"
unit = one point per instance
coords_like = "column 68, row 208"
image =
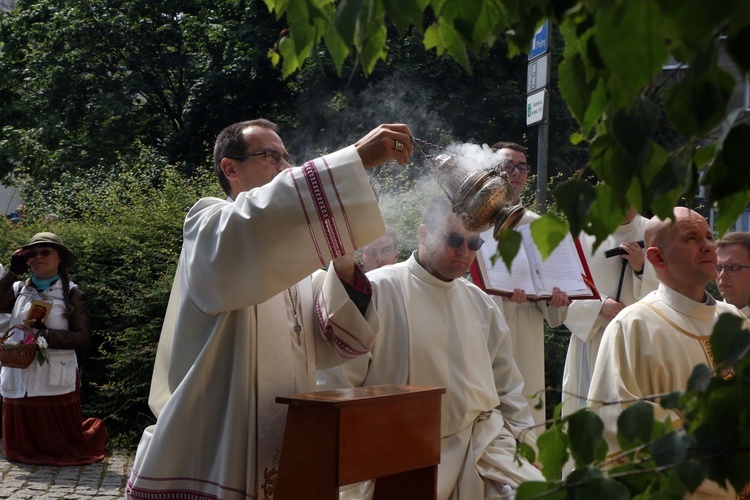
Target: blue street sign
column 540, row 45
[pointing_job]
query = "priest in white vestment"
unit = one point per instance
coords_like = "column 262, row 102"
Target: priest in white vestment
column 526, row 318
column 733, row 278
column 652, row 346
column 438, row 329
column 245, row 321
column 587, row 319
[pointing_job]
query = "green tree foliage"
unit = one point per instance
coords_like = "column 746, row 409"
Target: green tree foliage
column 84, row 83
column 126, row 234
column 613, row 53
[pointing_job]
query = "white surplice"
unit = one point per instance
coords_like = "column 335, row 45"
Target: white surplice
column 583, row 320
column 651, row 348
column 451, row 334
column 228, row 345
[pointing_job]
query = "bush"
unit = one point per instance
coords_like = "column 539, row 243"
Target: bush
column 126, row 233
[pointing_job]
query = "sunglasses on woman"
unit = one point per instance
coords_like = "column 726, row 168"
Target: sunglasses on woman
column 44, row 252
column 455, row 240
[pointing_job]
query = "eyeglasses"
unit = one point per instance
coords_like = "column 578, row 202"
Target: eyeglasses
column 509, row 167
column 270, row 155
column 44, row 252
column 455, row 240
column 731, row 269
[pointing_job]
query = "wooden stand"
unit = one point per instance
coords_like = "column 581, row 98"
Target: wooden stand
column 335, row 438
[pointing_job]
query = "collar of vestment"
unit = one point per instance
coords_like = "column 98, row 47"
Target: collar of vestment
column 685, row 305
column 423, row 274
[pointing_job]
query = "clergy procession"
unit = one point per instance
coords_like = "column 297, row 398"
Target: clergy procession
column 257, row 312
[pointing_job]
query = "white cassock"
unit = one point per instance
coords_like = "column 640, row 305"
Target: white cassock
column 746, row 311
column 650, row 348
column 451, row 334
column 228, row 345
column 583, row 320
column 526, row 324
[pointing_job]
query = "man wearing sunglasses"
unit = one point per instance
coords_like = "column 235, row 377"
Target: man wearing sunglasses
column 246, row 322
column 438, row 329
column 525, row 318
column 733, row 278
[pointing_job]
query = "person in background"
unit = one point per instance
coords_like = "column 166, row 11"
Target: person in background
column 652, row 346
column 621, row 281
column 380, row 252
column 246, row 322
column 42, row 417
column 440, row 330
column 526, row 318
column 733, row 279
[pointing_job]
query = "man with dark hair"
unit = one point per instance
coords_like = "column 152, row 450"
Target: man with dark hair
column 438, row 329
column 733, row 279
column 246, row 322
column 526, row 318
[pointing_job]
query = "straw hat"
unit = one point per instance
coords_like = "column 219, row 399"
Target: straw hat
column 53, row 240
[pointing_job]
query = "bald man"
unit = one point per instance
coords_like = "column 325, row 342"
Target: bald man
column 652, row 346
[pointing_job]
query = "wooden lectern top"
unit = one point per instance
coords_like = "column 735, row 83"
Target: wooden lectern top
column 359, row 395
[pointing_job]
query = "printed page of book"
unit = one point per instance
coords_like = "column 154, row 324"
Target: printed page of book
column 562, row 268
column 565, row 268
column 497, row 279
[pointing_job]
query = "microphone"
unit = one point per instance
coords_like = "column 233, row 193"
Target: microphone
column 619, row 251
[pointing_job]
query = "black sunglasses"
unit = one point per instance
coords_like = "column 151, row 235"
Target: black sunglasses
column 455, row 240
column 269, row 155
column 44, row 252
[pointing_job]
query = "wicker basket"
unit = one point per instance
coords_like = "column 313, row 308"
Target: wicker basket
column 16, row 355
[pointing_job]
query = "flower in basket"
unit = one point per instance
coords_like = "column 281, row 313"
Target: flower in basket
column 41, row 343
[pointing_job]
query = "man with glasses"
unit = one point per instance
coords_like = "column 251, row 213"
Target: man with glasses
column 733, row 279
column 246, row 322
column 651, row 347
column 526, row 318
column 438, row 329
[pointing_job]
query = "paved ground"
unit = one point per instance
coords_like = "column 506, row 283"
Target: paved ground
column 101, row 481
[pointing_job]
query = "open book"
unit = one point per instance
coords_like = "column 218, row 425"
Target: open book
column 565, row 268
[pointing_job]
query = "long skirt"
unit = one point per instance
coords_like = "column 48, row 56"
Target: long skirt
column 50, row 430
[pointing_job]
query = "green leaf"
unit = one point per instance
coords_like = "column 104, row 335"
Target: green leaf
column 698, row 103
column 691, row 473
column 346, row 19
column 507, row 246
column 729, row 209
column 536, row 489
column 585, row 433
column 671, row 401
column 635, row 424
column 575, row 87
column 729, row 341
column 737, row 45
column 527, row 452
column 606, row 213
column 553, row 452
column 603, row 488
column 338, row 49
column 404, row 14
column 547, row 232
column 635, row 127
column 629, row 40
column 574, row 198
column 699, row 378
column 670, row 449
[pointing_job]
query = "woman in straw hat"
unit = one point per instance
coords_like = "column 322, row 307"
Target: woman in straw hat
column 42, row 417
